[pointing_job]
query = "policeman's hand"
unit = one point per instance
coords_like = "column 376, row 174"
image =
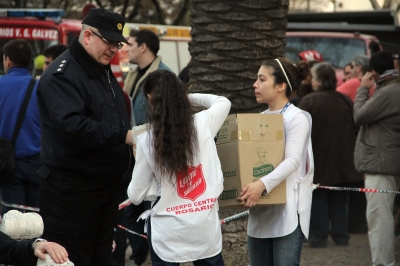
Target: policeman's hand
column 368, row 80
column 251, row 193
column 129, row 138
column 56, row 252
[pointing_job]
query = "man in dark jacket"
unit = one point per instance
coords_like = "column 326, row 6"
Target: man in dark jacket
column 85, row 131
column 26, row 252
column 377, row 151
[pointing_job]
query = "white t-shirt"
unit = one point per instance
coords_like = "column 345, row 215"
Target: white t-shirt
column 184, row 224
column 297, row 169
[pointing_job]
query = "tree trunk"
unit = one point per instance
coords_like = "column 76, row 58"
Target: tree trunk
column 230, row 39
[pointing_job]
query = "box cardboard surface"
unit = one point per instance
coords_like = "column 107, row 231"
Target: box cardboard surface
column 249, row 147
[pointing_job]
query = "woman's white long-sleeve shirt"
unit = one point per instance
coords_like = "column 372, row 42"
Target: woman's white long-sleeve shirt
column 184, row 223
column 297, row 169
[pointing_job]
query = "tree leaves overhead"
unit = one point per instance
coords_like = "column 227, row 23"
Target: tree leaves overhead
column 173, row 12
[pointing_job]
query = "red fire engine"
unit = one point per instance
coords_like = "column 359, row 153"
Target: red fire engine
column 42, row 28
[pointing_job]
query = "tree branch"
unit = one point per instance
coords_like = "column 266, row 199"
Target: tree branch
column 159, row 12
column 124, row 7
column 135, row 9
column 375, row 4
column 98, row 2
column 182, row 13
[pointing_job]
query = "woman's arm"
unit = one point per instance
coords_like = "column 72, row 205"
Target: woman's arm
column 218, row 108
column 142, row 177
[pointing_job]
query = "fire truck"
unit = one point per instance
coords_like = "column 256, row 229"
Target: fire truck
column 42, row 28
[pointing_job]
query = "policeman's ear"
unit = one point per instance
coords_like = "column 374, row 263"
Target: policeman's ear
column 86, row 36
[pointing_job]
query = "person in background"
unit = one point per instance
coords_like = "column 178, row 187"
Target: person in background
column 86, row 139
column 27, row 252
column 142, row 48
column 377, row 151
column 396, row 62
column 276, row 232
column 359, row 68
column 179, row 146
column 333, row 136
column 304, row 88
column 347, row 72
column 52, row 52
column 357, row 222
column 24, row 185
column 311, row 57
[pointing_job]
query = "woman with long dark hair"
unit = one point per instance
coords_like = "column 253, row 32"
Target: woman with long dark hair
column 177, row 157
column 276, row 232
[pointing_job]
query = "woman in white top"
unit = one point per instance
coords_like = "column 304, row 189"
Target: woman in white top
column 276, row 232
column 178, row 156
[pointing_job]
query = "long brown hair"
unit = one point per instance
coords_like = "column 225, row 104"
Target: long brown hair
column 174, row 135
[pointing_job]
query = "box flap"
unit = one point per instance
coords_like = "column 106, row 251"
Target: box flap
column 251, row 127
column 260, row 127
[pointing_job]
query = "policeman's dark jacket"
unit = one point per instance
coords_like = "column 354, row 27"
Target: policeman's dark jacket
column 84, row 118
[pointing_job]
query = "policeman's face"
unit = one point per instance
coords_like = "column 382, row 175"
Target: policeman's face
column 134, row 51
column 101, row 51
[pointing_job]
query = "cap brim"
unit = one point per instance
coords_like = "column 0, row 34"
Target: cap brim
column 112, row 36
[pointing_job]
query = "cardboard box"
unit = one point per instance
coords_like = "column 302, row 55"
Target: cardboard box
column 249, row 147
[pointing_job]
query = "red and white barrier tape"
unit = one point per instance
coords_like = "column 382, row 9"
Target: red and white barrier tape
column 234, row 217
column 124, row 204
column 19, row 206
column 130, row 231
column 365, row 190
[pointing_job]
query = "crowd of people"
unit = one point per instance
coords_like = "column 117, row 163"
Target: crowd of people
column 77, row 159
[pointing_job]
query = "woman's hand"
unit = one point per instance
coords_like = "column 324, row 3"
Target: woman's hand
column 251, row 193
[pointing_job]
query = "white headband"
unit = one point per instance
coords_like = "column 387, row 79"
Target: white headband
column 284, row 73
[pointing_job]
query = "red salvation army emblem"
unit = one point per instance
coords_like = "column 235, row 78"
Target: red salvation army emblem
column 192, row 185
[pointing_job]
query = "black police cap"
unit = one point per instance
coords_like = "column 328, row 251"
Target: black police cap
column 109, row 24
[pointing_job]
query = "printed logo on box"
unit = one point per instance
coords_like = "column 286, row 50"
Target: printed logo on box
column 262, row 167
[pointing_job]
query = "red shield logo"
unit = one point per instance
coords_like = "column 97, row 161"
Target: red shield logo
column 192, row 184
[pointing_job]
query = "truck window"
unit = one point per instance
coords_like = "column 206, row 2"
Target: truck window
column 337, row 51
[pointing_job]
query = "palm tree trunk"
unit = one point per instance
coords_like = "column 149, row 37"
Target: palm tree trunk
column 230, row 39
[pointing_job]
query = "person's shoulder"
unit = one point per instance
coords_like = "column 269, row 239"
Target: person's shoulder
column 63, row 64
column 349, row 84
column 164, row 66
column 298, row 113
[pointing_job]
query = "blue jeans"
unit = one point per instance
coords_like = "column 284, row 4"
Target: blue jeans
column 24, row 186
column 329, row 214
column 278, row 251
column 217, row 260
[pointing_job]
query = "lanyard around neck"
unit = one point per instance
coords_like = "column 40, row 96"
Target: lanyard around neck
column 285, row 107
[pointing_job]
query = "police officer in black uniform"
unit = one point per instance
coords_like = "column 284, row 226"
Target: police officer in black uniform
column 85, row 142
